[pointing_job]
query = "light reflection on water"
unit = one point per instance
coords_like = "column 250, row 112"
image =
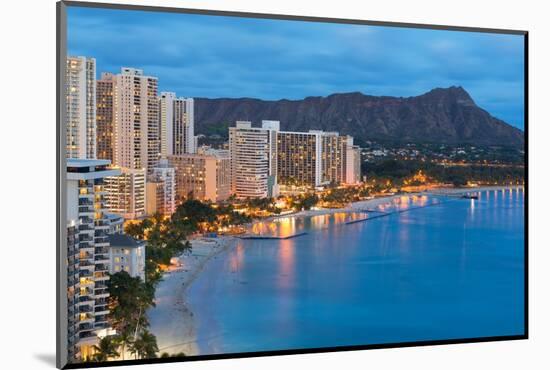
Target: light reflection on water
column 287, row 226
column 450, row 271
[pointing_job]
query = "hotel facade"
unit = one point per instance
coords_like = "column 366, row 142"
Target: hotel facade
column 125, row 194
column 161, row 190
column 266, row 159
column 105, row 116
column 81, row 107
column 136, row 142
column 205, row 176
column 176, row 122
column 253, row 154
column 87, row 256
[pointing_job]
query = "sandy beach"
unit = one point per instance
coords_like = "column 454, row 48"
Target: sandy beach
column 171, row 317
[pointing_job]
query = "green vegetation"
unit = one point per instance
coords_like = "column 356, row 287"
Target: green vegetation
column 106, row 349
column 397, row 171
column 304, row 202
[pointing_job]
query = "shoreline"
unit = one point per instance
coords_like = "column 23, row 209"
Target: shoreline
column 171, row 320
column 175, row 320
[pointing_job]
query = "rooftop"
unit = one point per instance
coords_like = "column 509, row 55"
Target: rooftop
column 124, row 241
column 74, row 162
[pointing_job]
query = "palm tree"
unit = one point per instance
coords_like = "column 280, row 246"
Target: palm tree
column 145, row 346
column 125, row 338
column 106, row 348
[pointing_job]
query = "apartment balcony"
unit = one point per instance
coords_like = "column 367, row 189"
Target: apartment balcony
column 101, row 258
column 101, row 240
column 85, row 327
column 86, row 263
column 102, row 266
column 101, row 322
column 85, row 309
column 85, row 209
column 85, row 202
column 101, row 250
column 102, row 310
column 100, row 285
column 85, row 300
column 102, row 293
column 101, row 276
column 85, row 227
column 85, row 245
column 86, row 220
column 85, row 238
column 86, row 273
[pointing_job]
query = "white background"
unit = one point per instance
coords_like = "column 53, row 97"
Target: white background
column 27, row 228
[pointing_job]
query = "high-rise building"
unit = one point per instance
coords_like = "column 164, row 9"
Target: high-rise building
column 314, row 158
column 87, row 256
column 299, row 158
column 81, row 107
column 105, row 116
column 353, row 163
column 125, row 194
column 161, row 190
column 333, row 158
column 136, row 120
column 204, row 176
column 254, row 159
column 177, row 122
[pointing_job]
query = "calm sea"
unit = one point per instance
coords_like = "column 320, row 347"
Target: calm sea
column 453, row 269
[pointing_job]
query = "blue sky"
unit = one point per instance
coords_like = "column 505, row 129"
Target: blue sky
column 213, row 56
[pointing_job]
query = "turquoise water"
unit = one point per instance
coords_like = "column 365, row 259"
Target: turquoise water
column 450, row 270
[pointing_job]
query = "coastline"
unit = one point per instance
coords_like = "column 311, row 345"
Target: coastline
column 173, row 322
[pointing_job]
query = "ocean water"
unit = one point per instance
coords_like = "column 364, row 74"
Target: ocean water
column 442, row 268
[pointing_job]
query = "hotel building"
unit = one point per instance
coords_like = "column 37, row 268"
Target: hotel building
column 254, row 159
column 315, row 158
column 206, row 176
column 105, row 116
column 125, row 194
column 353, row 163
column 87, row 256
column 136, row 120
column 81, row 107
column 177, row 122
column 161, row 190
column 333, row 158
column 127, row 254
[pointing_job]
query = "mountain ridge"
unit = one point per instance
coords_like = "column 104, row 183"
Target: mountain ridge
column 441, row 115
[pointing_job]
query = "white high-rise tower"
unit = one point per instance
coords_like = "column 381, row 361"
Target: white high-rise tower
column 177, row 121
column 81, row 107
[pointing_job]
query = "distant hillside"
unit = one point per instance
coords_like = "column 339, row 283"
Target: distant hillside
column 443, row 115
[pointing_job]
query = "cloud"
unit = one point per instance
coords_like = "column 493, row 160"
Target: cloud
column 216, row 56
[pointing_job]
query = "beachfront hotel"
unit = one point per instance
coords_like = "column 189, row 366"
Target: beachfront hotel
column 161, row 190
column 353, row 163
column 81, row 107
column 87, row 256
column 136, row 120
column 265, row 158
column 316, row 158
column 177, row 122
column 253, row 153
column 205, row 176
column 127, row 254
column 125, row 194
